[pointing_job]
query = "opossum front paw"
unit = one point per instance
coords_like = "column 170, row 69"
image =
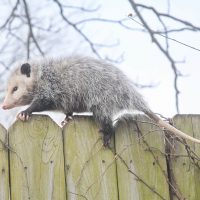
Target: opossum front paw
column 24, row 116
column 66, row 120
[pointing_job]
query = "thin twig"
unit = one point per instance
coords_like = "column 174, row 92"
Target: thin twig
column 166, row 53
column 31, row 33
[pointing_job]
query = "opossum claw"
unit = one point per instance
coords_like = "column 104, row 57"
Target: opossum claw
column 67, row 119
column 63, row 122
column 23, row 116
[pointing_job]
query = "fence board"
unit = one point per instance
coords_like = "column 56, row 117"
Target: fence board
column 37, row 161
column 4, row 173
column 141, row 167
column 186, row 161
column 90, row 169
column 138, row 171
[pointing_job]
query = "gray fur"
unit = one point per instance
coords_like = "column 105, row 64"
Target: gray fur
column 75, row 84
column 79, row 84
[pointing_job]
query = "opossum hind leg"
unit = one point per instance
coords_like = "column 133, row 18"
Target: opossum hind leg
column 108, row 132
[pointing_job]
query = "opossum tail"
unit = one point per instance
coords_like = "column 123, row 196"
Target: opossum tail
column 172, row 130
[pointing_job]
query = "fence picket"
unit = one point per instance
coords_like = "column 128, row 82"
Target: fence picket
column 90, row 168
column 186, row 159
column 141, row 166
column 44, row 162
column 4, row 172
column 37, row 162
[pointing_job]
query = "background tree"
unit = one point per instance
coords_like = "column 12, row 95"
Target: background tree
column 31, row 29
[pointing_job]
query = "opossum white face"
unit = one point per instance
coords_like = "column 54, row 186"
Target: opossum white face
column 19, row 88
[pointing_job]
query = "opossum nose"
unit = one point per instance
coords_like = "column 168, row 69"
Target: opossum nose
column 4, row 107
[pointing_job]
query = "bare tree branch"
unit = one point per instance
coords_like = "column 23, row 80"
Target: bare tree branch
column 10, row 17
column 120, row 22
column 40, row 32
column 31, row 33
column 91, row 44
column 82, row 8
column 161, row 17
column 166, row 53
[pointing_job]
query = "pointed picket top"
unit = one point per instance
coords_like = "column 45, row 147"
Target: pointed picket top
column 90, row 167
column 185, row 160
column 141, row 166
column 4, row 171
column 36, row 160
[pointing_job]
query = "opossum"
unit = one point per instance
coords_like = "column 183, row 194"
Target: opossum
column 78, row 84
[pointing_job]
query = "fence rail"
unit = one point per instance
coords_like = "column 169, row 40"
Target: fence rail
column 41, row 161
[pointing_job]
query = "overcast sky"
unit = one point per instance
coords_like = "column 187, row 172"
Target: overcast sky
column 143, row 62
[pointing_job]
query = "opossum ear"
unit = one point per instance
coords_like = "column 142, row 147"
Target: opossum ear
column 26, row 69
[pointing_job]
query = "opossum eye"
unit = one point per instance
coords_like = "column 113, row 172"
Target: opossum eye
column 14, row 89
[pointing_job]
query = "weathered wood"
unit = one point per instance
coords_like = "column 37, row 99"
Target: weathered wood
column 4, row 173
column 90, row 168
column 141, row 163
column 186, row 160
column 36, row 160
column 138, row 170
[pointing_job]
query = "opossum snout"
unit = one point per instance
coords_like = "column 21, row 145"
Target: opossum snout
column 4, row 106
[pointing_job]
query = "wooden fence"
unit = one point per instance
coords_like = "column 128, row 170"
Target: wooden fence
column 41, row 161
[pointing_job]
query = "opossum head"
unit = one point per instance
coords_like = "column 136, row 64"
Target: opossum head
column 20, row 87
